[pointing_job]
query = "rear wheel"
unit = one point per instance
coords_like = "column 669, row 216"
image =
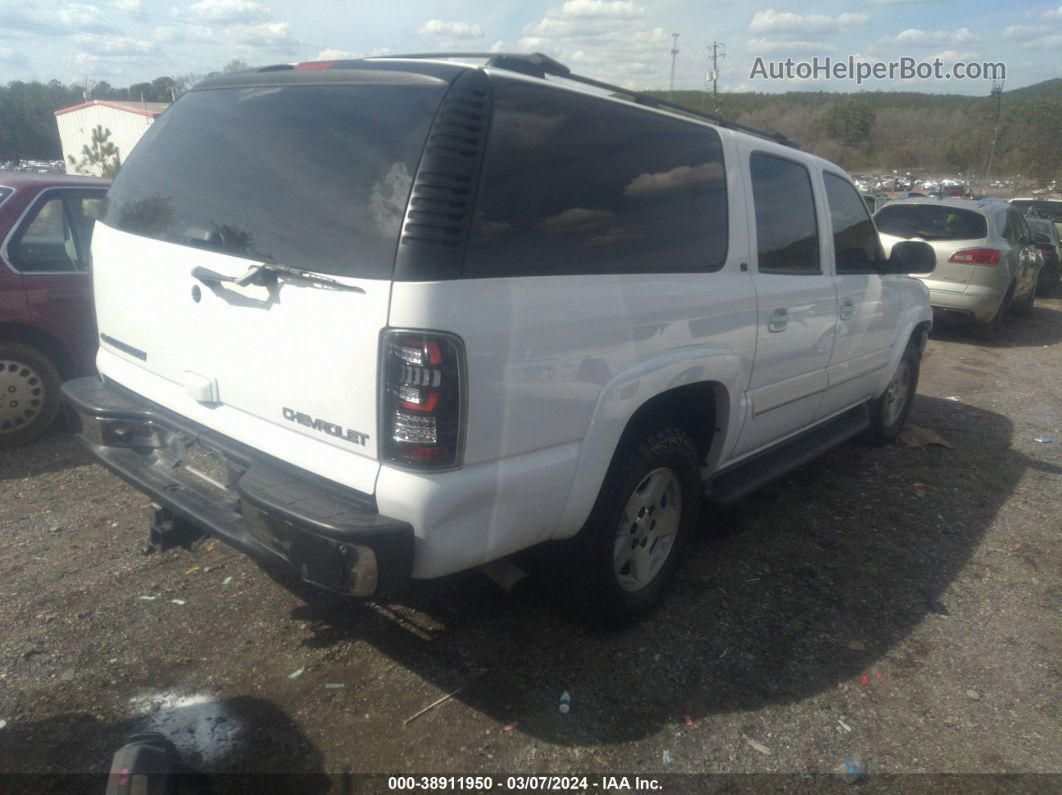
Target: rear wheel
column 29, row 394
column 889, row 412
column 641, row 523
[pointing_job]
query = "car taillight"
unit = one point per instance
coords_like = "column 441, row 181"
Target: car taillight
column 976, row 256
column 422, row 399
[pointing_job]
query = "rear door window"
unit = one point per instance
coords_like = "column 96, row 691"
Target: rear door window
column 45, row 242
column 856, row 246
column 315, row 176
column 575, row 184
column 787, row 233
column 931, row 222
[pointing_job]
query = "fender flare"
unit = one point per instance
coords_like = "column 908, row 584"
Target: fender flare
column 624, row 395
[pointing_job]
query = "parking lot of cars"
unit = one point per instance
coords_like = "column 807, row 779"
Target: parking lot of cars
column 900, row 606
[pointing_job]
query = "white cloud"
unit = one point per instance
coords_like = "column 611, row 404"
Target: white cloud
column 1023, row 32
column 497, row 46
column 609, row 40
column 126, row 5
column 111, row 47
column 439, row 28
column 950, row 56
column 929, row 38
column 228, row 11
column 786, row 23
column 766, row 46
column 1055, row 13
column 332, row 54
column 598, row 9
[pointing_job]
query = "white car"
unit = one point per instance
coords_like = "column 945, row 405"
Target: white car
column 398, row 317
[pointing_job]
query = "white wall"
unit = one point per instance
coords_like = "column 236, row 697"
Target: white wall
column 75, row 131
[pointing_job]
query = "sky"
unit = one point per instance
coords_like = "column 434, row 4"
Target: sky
column 621, row 41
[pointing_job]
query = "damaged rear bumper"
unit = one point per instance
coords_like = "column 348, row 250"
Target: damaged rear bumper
column 280, row 516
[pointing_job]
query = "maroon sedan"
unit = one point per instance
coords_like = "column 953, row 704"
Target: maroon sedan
column 47, row 323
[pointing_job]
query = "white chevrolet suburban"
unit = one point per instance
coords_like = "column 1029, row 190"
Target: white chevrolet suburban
column 393, row 318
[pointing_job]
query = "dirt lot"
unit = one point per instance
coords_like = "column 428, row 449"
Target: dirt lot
column 898, row 605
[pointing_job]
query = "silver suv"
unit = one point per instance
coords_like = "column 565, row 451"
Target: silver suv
column 986, row 260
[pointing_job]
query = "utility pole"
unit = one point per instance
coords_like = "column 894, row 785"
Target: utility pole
column 997, row 97
column 718, row 51
column 674, row 53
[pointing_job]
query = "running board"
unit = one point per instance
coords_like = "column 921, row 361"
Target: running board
column 731, row 485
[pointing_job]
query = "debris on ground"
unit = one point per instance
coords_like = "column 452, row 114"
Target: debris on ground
column 334, row 686
column 916, row 436
column 973, row 695
column 878, row 675
column 565, row 702
column 433, row 705
column 296, row 673
column 864, row 679
column 843, row 725
column 763, row 749
column 226, row 581
column 148, row 598
column 953, row 398
column 852, row 770
column 1042, row 440
column 3, row 723
column 666, row 756
column 920, row 489
column 688, row 720
column 179, row 602
column 508, row 727
column 856, row 645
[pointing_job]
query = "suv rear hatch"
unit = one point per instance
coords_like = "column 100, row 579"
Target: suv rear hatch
column 946, row 228
column 288, row 170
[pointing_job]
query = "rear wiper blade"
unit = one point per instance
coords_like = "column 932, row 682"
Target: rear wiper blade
column 266, row 273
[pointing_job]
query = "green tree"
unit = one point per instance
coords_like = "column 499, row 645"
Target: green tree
column 851, row 122
column 101, row 157
column 1038, row 152
column 235, row 65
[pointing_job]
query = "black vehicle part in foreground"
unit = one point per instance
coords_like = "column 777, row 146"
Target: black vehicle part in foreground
column 282, row 517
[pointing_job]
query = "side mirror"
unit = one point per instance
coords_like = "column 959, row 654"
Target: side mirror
column 1040, row 239
column 911, row 256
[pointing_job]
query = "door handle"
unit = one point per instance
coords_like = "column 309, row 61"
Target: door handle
column 778, row 319
column 847, row 309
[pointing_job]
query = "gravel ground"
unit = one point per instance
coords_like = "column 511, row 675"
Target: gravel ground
column 899, row 605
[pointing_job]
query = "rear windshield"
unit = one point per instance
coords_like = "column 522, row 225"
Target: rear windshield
column 931, row 222
column 312, row 176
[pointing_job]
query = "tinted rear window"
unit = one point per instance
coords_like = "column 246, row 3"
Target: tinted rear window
column 312, row 176
column 574, row 184
column 1052, row 210
column 931, row 222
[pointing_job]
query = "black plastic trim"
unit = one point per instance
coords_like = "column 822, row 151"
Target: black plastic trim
column 435, row 231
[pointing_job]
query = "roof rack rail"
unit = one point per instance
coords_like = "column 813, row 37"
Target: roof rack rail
column 538, row 65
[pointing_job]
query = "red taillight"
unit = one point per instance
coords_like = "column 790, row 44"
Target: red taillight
column 421, row 400
column 976, row 256
column 315, row 65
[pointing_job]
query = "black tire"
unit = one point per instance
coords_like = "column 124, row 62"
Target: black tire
column 597, row 546
column 886, row 419
column 29, row 394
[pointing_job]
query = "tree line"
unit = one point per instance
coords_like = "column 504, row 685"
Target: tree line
column 879, row 131
column 27, row 109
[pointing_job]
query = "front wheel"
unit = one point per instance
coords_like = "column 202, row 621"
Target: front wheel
column 889, row 412
column 640, row 525
column 29, row 394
